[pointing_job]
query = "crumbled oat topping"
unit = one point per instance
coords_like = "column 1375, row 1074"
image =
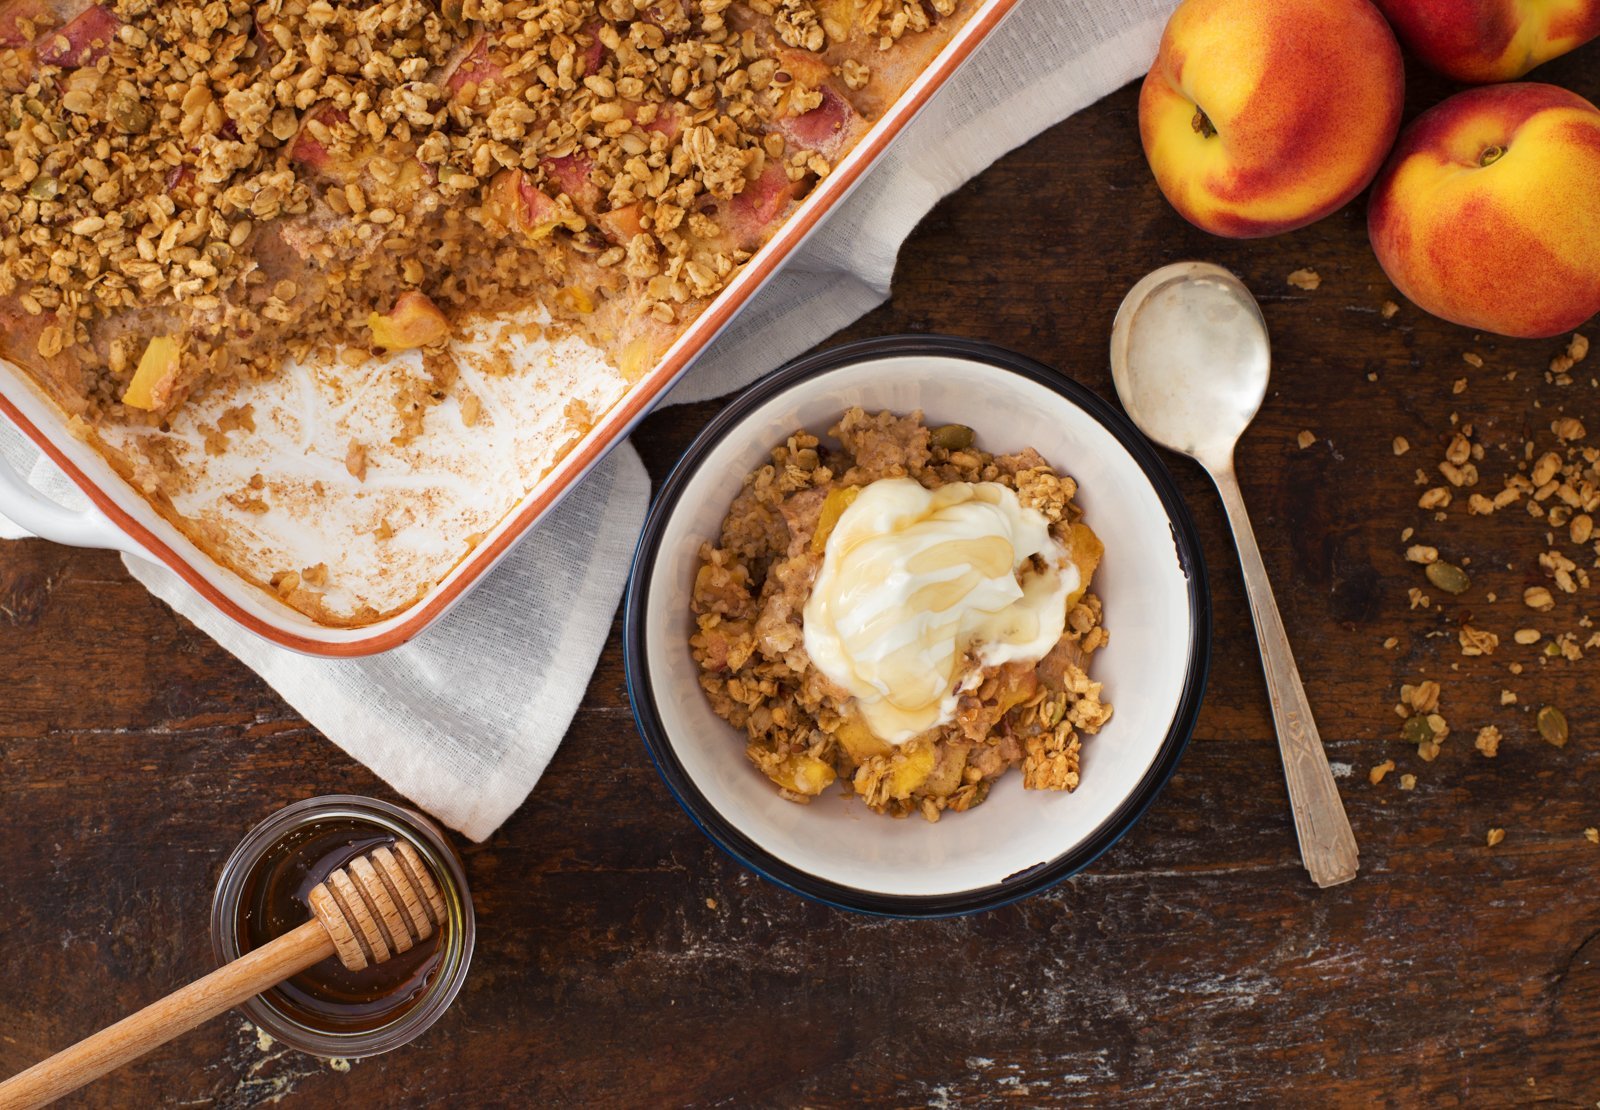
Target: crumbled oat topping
column 1305, row 279
column 802, row 731
column 224, row 170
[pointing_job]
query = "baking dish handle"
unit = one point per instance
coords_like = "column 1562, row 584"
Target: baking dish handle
column 31, row 510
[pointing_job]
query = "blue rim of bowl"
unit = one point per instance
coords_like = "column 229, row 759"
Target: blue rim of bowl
column 1030, row 880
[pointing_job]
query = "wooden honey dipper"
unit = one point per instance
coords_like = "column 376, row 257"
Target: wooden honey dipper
column 376, row 906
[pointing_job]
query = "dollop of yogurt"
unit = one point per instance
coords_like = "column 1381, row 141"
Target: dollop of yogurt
column 913, row 581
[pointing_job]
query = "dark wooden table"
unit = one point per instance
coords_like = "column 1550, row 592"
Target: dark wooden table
column 623, row 960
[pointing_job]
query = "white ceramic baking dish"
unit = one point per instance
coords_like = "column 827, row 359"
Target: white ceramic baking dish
column 122, row 519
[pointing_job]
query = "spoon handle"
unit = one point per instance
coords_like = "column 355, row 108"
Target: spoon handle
column 1327, row 845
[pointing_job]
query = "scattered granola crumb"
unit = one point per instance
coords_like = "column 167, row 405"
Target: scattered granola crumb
column 1401, row 446
column 711, row 903
column 1306, row 438
column 1391, row 643
column 1476, row 641
column 1408, row 782
column 338, row 1063
column 355, row 460
column 1592, row 835
column 1422, row 553
column 1375, row 776
column 1305, row 279
column 1388, row 309
column 1473, row 359
column 1488, row 741
column 1507, row 697
column 1459, row 386
column 1526, row 635
column 1496, row 836
column 1577, row 350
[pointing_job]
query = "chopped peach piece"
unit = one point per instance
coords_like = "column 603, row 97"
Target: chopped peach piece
column 575, row 298
column 833, row 507
column 860, row 742
column 152, row 382
column 514, row 202
column 803, row 774
column 477, row 69
column 414, row 321
column 82, row 41
column 1086, row 553
column 637, row 357
column 909, row 770
column 622, row 224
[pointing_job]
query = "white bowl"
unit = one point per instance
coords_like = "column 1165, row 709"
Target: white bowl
column 1157, row 610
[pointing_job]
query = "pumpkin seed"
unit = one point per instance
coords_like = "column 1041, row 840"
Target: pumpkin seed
column 129, row 114
column 1416, row 730
column 1448, row 577
column 1552, row 725
column 952, row 437
column 44, row 187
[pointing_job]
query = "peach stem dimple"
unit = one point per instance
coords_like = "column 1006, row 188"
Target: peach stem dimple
column 1491, row 154
column 1202, row 123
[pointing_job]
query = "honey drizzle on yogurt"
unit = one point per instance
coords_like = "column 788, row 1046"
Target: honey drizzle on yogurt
column 913, row 581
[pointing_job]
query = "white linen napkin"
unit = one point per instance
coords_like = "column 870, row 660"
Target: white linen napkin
column 464, row 719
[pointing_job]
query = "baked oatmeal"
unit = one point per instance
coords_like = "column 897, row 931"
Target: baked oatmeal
column 904, row 613
column 192, row 191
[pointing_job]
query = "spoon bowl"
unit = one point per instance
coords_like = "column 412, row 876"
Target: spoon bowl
column 1190, row 358
column 1191, row 361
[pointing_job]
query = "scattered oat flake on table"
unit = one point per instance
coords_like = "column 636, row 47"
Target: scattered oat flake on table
column 1392, row 642
column 1401, row 445
column 1305, row 279
column 1496, row 836
column 1388, row 309
column 1507, row 698
column 1375, row 776
column 1408, row 782
column 1592, row 835
column 1306, row 438
column 1460, row 386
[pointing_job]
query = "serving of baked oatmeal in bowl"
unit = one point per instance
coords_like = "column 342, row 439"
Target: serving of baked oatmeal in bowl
column 917, row 578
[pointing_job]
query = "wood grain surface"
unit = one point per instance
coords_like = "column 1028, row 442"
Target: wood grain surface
column 622, row 960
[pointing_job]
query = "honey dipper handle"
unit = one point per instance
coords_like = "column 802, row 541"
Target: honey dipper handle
column 159, row 1022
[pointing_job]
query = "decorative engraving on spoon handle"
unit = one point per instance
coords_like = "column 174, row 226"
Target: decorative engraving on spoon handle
column 1327, row 844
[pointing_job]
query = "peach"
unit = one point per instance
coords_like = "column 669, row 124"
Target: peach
column 83, row 41
column 1488, row 212
column 414, row 321
column 1478, row 41
column 1261, row 118
column 152, row 383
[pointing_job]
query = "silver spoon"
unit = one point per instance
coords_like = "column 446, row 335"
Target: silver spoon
column 1190, row 358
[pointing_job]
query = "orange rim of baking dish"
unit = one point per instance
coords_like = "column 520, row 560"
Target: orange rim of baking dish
column 617, row 423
